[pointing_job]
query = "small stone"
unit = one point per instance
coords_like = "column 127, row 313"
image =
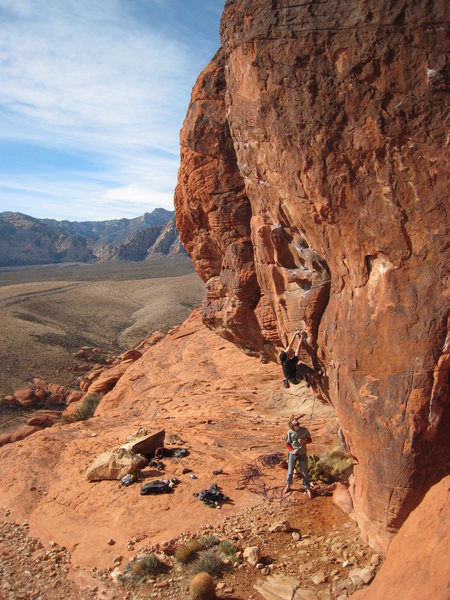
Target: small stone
column 281, row 526
column 342, row 585
column 296, row 536
column 361, row 575
column 111, row 542
column 251, row 554
column 319, row 578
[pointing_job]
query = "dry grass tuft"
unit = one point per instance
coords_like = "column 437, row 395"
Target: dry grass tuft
column 186, row 552
column 329, row 467
column 211, row 563
column 208, row 541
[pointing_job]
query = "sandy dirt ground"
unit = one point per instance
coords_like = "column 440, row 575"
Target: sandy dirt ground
column 48, row 313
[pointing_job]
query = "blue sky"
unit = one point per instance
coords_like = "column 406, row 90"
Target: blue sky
column 93, row 94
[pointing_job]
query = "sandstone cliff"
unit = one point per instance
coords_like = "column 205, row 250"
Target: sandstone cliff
column 313, row 191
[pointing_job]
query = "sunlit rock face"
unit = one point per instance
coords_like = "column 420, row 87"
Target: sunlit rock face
column 313, row 192
column 214, row 213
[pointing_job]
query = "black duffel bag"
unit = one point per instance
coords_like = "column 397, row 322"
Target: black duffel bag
column 156, row 487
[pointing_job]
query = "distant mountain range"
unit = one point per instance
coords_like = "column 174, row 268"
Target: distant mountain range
column 25, row 240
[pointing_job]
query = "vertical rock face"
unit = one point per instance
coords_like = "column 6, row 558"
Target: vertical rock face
column 213, row 212
column 313, row 191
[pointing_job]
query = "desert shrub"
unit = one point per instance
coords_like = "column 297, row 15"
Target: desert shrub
column 227, row 547
column 146, row 566
column 194, row 545
column 210, row 562
column 202, row 587
column 86, row 410
column 338, row 452
column 330, row 467
column 208, row 541
column 186, row 552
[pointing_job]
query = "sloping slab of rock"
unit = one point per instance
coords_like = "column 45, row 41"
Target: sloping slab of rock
column 282, row 587
column 44, row 418
column 114, row 464
column 146, row 444
column 108, row 378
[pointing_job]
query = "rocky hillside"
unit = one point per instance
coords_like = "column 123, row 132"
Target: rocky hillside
column 312, row 192
column 25, row 240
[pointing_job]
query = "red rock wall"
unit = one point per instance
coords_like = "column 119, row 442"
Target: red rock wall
column 416, row 564
column 213, row 213
column 329, row 210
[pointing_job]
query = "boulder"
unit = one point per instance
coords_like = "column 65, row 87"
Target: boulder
column 114, row 464
column 29, row 403
column 131, row 355
column 283, row 587
column 146, row 444
column 24, row 394
column 26, row 397
column 108, row 379
column 319, row 578
column 56, row 399
column 281, row 526
column 342, row 498
column 361, row 575
column 252, row 555
column 56, row 388
column 23, row 432
column 9, row 399
column 41, row 394
column 73, row 396
column 44, row 418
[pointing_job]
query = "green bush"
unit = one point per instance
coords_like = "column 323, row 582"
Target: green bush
column 227, row 547
column 146, row 566
column 208, row 541
column 330, row 467
column 211, row 563
column 86, row 410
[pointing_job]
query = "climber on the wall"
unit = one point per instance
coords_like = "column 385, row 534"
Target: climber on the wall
column 293, row 373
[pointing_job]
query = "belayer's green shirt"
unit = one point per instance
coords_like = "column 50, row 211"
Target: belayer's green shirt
column 293, row 437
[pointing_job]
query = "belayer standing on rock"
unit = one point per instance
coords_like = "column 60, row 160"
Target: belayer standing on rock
column 289, row 360
column 296, row 439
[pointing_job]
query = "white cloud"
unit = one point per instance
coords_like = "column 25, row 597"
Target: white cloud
column 82, row 69
column 92, row 77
